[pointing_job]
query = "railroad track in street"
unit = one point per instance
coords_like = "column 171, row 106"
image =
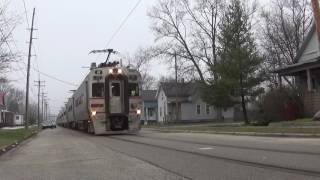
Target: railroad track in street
column 232, row 146
column 291, row 170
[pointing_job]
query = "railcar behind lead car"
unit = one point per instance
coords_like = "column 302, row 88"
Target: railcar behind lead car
column 107, row 102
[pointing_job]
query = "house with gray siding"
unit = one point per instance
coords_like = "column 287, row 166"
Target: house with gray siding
column 182, row 102
column 306, row 71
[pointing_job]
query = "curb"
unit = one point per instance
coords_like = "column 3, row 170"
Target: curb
column 16, row 143
column 296, row 135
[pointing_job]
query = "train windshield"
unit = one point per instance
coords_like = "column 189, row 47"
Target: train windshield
column 133, row 89
column 97, row 90
column 115, row 89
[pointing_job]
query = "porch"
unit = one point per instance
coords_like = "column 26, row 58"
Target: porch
column 307, row 79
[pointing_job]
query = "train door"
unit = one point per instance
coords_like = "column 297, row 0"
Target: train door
column 116, row 97
column 117, row 103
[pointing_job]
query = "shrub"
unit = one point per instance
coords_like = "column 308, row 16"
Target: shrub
column 281, row 104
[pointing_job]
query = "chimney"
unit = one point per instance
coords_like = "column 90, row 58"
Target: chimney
column 316, row 13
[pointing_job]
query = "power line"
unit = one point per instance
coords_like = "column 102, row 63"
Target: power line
column 122, row 24
column 25, row 11
column 51, row 77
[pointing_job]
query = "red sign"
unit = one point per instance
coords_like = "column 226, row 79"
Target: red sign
column 2, row 94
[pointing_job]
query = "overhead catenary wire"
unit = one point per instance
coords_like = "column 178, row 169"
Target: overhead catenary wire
column 120, row 26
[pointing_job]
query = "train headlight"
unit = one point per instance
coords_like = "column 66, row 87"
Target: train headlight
column 138, row 111
column 93, row 113
column 110, row 71
column 119, row 71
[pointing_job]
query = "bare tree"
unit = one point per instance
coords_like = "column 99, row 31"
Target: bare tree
column 284, row 28
column 189, row 30
column 7, row 26
column 14, row 96
column 141, row 60
column 14, row 100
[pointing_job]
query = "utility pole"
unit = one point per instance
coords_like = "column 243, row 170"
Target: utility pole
column 46, row 111
column 28, row 73
column 42, row 105
column 39, row 85
column 176, row 72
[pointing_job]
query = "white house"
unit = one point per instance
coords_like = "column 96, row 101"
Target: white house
column 150, row 106
column 190, row 106
column 18, row 120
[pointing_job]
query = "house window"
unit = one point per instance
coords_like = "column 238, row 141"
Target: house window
column 160, row 111
column 198, row 109
column 207, row 108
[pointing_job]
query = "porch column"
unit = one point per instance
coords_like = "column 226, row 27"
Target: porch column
column 309, row 80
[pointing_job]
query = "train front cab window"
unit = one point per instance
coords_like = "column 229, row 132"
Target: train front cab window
column 133, row 89
column 116, row 99
column 97, row 90
column 115, row 89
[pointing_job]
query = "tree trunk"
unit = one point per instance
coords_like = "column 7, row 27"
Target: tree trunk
column 244, row 109
column 219, row 114
column 243, row 102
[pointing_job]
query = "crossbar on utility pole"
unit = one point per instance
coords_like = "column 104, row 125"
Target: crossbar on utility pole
column 28, row 73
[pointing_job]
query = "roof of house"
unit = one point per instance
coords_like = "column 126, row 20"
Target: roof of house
column 293, row 68
column 171, row 89
column 290, row 69
column 305, row 42
column 149, row 95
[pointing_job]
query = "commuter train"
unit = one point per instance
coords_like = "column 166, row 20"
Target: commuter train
column 108, row 101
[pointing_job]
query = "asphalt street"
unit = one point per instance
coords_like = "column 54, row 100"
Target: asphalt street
column 67, row 154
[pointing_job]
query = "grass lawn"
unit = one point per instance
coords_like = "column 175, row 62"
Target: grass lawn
column 8, row 137
column 298, row 126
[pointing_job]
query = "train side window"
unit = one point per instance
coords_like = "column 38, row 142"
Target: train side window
column 133, row 89
column 97, row 90
column 115, row 89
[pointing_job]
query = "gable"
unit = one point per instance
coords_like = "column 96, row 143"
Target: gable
column 149, row 95
column 310, row 47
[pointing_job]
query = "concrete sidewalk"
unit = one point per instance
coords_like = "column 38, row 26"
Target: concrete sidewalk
column 302, row 135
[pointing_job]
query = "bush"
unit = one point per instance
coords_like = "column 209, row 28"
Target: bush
column 281, row 104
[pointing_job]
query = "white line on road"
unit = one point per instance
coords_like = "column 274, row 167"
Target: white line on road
column 206, row 148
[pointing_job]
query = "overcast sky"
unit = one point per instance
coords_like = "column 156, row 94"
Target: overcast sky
column 68, row 30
